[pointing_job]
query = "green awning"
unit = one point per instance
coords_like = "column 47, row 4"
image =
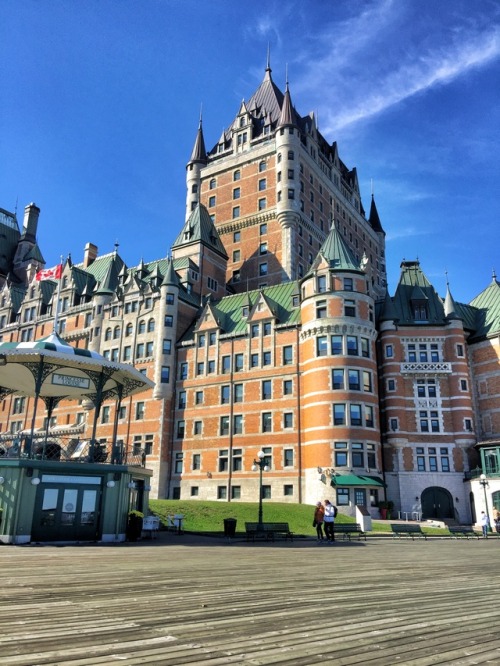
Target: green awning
column 353, row 480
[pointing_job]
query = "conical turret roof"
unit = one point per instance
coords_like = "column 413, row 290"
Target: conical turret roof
column 199, row 154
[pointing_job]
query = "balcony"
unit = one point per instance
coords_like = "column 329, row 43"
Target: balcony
column 426, row 368
column 55, row 448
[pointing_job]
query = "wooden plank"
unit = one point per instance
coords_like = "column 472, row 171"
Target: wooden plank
column 188, row 600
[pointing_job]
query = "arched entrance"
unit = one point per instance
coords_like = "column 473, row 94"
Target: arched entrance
column 437, row 503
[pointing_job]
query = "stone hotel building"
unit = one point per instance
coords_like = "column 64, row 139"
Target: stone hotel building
column 270, row 326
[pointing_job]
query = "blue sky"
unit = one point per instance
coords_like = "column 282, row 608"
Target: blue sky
column 101, row 101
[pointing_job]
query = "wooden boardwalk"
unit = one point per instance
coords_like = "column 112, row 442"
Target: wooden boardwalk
column 191, row 600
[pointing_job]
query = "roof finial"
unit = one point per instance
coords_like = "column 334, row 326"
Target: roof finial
column 117, row 245
column 371, row 186
column 201, row 112
column 447, row 281
column 286, row 76
column 268, row 63
column 494, row 275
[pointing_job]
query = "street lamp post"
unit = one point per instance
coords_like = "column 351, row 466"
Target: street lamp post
column 484, row 482
column 260, row 465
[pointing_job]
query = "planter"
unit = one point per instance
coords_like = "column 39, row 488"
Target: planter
column 383, row 513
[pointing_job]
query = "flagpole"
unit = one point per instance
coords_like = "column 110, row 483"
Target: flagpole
column 58, row 301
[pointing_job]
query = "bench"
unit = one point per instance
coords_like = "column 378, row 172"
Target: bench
column 409, row 531
column 267, row 531
column 348, row 529
column 460, row 532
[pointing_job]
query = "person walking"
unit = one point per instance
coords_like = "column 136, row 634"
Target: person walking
column 319, row 515
column 329, row 521
column 484, row 522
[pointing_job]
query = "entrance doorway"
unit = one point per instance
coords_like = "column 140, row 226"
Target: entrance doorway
column 67, row 508
column 437, row 503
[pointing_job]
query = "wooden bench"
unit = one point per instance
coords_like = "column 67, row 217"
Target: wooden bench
column 460, row 532
column 348, row 529
column 406, row 530
column 267, row 531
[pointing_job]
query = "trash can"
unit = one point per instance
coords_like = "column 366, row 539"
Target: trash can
column 229, row 527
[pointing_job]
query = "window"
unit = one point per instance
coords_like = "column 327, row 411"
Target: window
column 198, row 398
column 200, row 368
column 266, row 422
column 288, row 490
column 365, row 348
column 288, row 355
column 238, row 362
column 169, row 321
column 167, row 347
column 353, row 377
column 391, row 384
column 349, row 308
column 197, row 427
column 237, row 175
column 139, row 411
column 221, row 492
column 224, row 425
column 181, row 429
column 337, row 345
column 352, row 345
column 348, row 284
column 357, row 455
column 254, row 360
column 263, row 248
column 321, row 310
column 142, row 327
column 389, row 351
column 338, row 379
column 194, row 491
column 355, row 415
column 262, row 184
column 287, row 387
column 165, row 374
column 369, row 422
column 460, row 350
column 236, row 236
column 321, row 345
column 262, row 166
column 213, row 183
column 212, row 339
column 183, row 371
column 238, row 424
column 342, row 497
column 237, row 460
column 288, row 420
column 201, row 340
column 321, row 284
column 149, row 348
column 367, row 381
column 182, row 400
column 263, row 229
column 170, row 299
column 235, row 492
column 236, row 212
column 266, row 358
column 394, row 424
column 288, row 458
column 463, row 385
column 211, row 201
column 267, row 389
column 105, row 414
column 236, row 193
column 19, row 404
column 266, row 328
column 338, row 414
column 211, row 367
column 236, row 255
column 225, row 394
column 223, row 460
column 263, row 269
column 196, row 461
column 226, row 364
column 178, row 463
column 238, row 393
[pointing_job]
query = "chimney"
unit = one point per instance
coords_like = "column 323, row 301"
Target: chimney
column 90, row 254
column 30, row 223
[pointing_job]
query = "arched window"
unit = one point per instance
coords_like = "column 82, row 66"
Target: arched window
column 128, row 330
column 107, row 335
column 142, row 326
column 116, row 333
column 151, row 325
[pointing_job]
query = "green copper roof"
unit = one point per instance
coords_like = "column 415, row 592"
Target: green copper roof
column 337, row 253
column 199, row 228
column 487, row 304
column 229, row 311
column 414, row 288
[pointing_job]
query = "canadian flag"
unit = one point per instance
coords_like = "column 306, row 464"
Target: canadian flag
column 53, row 273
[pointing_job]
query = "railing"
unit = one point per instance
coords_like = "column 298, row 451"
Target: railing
column 70, row 449
column 423, row 367
column 488, row 471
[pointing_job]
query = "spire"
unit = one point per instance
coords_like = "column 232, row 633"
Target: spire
column 287, row 113
column 199, row 153
column 450, row 307
column 337, row 253
column 268, row 63
column 388, row 311
column 374, row 219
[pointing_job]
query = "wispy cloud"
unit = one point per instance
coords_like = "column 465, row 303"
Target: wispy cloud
column 433, row 69
column 406, row 232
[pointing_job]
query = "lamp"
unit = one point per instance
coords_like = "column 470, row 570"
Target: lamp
column 484, row 482
column 147, row 488
column 35, row 481
column 131, row 485
column 260, row 465
column 110, row 484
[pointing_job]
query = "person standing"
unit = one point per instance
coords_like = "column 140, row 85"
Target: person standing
column 329, row 521
column 484, row 522
column 319, row 515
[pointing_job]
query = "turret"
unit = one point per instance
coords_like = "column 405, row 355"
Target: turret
column 196, row 162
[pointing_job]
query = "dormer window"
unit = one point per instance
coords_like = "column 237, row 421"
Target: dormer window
column 420, row 310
